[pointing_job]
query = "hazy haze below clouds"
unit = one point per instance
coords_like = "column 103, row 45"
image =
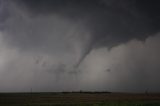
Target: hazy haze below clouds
column 41, row 44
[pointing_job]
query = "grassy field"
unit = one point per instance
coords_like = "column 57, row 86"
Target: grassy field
column 79, row 99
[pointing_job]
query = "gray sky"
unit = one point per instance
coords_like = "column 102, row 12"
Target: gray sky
column 70, row 45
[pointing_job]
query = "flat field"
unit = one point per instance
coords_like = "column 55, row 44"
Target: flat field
column 79, row 99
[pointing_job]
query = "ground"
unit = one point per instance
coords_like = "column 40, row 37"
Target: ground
column 79, row 99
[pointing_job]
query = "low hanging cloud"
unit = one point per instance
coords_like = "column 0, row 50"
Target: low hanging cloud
column 133, row 66
column 67, row 45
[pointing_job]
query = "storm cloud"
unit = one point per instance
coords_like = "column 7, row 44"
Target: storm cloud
column 89, row 44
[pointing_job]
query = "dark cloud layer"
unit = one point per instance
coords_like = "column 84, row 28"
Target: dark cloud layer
column 53, row 44
column 111, row 22
column 121, row 20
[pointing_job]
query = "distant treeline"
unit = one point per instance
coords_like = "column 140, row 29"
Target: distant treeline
column 89, row 92
column 63, row 92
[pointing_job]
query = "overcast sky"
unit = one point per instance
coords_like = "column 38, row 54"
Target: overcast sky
column 72, row 45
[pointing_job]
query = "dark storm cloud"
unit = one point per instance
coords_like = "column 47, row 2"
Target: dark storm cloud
column 110, row 22
column 106, row 19
column 54, row 45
